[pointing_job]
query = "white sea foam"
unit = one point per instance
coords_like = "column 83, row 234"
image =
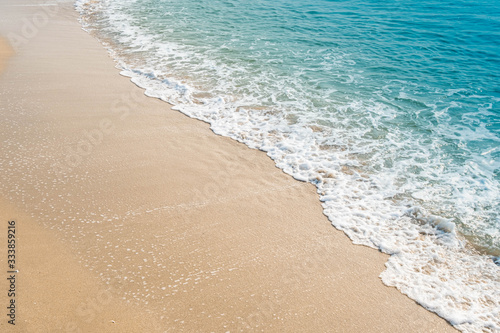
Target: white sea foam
column 377, row 184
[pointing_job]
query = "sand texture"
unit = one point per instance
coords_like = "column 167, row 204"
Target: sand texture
column 132, row 217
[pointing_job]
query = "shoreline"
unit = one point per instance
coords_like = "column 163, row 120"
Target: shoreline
column 188, row 230
column 426, row 236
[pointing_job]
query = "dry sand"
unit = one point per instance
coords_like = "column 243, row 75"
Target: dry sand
column 5, row 53
column 132, row 217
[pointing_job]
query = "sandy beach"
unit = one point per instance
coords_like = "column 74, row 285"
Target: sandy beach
column 132, row 217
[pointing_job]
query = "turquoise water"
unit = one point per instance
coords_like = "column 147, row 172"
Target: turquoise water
column 391, row 108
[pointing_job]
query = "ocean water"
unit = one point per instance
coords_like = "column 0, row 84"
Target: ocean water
column 392, row 109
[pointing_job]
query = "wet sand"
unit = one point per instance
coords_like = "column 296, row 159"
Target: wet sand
column 131, row 217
